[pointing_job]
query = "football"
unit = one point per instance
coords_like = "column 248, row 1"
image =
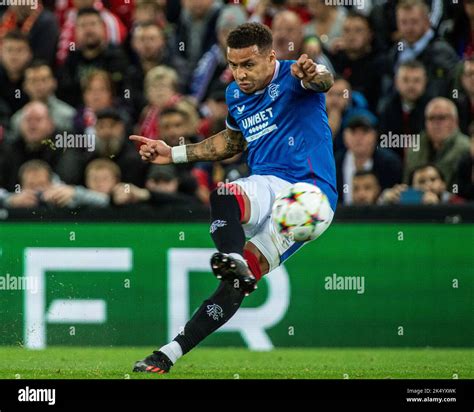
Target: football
column 300, row 211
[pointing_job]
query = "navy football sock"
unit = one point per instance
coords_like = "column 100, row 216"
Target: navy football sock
column 226, row 228
column 211, row 315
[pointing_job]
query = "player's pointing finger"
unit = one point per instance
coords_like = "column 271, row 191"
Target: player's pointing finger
column 141, row 139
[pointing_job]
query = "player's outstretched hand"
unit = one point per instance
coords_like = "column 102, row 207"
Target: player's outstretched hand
column 153, row 151
column 304, row 69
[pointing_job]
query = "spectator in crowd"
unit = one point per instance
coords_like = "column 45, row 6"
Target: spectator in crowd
column 288, row 35
column 289, row 40
column 383, row 16
column 186, row 129
column 109, row 141
column 161, row 91
column 40, row 187
column 342, row 104
column 35, row 176
column 419, row 41
column 146, row 11
column 4, row 118
column 178, row 127
column 264, row 11
column 355, row 59
column 149, row 51
column 360, row 138
column 40, row 85
column 123, row 10
column 61, row 195
column 384, row 24
column 16, row 55
column 102, row 175
column 112, row 142
column 441, row 143
column 300, row 7
column 161, row 188
column 195, row 31
column 212, row 69
column 388, row 57
column 97, row 95
column 211, row 174
column 162, row 178
column 92, row 52
column 461, row 35
column 326, row 24
column 426, row 185
column 115, row 30
column 465, row 173
column 465, row 94
column 39, row 25
column 404, row 111
column 5, row 159
column 214, row 112
column 36, row 140
column 191, row 131
column 365, row 188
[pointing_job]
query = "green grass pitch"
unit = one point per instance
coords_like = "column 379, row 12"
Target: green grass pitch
column 233, row 363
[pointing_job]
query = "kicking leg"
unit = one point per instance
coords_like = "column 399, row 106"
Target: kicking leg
column 229, row 210
column 257, row 262
column 236, row 260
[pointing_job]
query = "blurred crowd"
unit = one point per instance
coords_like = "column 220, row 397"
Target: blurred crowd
column 78, row 76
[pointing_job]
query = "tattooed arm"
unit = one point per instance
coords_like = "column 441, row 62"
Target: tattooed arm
column 321, row 82
column 313, row 76
column 220, row 146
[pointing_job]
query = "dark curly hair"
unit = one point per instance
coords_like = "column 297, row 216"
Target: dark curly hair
column 250, row 34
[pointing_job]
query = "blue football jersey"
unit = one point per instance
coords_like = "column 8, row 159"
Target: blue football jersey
column 287, row 131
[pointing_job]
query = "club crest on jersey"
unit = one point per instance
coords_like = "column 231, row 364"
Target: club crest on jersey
column 273, row 90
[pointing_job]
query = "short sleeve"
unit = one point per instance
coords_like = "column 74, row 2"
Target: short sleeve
column 231, row 123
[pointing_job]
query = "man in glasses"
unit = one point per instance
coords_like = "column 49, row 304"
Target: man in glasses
column 441, row 143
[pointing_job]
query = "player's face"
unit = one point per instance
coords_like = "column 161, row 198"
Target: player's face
column 252, row 69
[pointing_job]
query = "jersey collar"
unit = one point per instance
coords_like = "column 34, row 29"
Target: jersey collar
column 275, row 75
